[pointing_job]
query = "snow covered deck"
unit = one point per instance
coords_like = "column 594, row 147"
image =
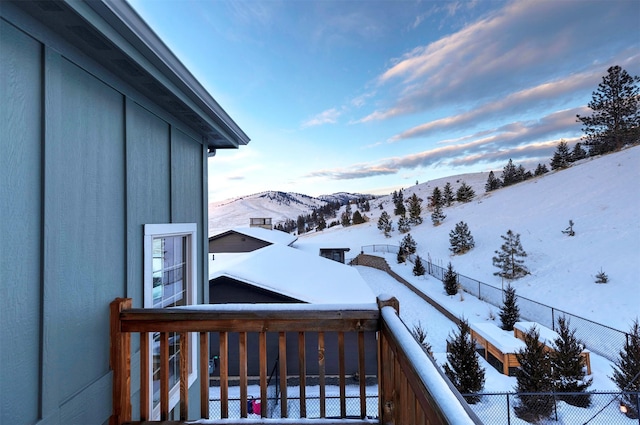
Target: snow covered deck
column 411, row 389
column 498, row 345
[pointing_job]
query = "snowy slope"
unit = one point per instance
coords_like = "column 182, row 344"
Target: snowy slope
column 602, row 197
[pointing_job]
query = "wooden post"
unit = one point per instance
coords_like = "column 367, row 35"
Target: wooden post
column 120, row 363
column 204, row 375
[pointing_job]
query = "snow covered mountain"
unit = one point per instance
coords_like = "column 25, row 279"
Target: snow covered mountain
column 279, row 206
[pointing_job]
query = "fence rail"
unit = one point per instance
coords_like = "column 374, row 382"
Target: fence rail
column 601, row 339
column 602, row 408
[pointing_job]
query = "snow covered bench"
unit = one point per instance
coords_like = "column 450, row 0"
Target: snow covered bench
column 499, row 346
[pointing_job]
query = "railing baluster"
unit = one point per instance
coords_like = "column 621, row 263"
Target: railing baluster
column 144, row 375
column 204, row 375
column 302, row 366
column 164, row 376
column 263, row 375
column 362, row 375
column 184, row 376
column 341, row 375
column 282, row 354
column 224, row 375
column 323, row 412
column 242, row 342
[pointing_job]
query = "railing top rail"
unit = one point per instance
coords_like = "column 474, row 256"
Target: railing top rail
column 434, row 385
column 253, row 318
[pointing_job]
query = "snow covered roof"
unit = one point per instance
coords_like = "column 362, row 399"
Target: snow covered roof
column 296, row 274
column 271, row 236
column 501, row 339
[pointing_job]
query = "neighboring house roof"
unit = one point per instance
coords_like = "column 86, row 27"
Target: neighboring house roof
column 113, row 34
column 266, row 235
column 296, row 274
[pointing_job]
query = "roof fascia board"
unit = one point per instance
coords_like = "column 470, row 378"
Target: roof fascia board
column 106, row 19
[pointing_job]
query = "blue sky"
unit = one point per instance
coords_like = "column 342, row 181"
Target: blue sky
column 371, row 96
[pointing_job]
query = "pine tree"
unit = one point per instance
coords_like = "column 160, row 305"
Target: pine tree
column 533, row 376
column 420, row 335
column 561, row 157
column 463, row 366
column 401, row 257
column 403, row 225
column 345, row 219
column 493, row 183
column 567, row 366
column 578, row 153
column 322, row 224
column 385, row 224
column 509, row 312
column 408, row 244
column 447, row 195
column 450, row 280
column 509, row 259
column 626, row 372
column 509, row 174
column 615, row 120
column 541, row 169
column 418, row 267
column 399, row 208
column 465, row 193
column 415, row 210
column 437, row 216
column 435, row 199
column 460, row 239
column 357, row 218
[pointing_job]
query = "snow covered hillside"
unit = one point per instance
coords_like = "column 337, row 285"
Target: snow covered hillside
column 601, row 196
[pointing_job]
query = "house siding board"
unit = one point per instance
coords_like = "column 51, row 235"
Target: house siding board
column 84, row 224
column 20, row 224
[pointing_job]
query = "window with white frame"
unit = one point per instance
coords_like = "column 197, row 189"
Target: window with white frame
column 170, row 270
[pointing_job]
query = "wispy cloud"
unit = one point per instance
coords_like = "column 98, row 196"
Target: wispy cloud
column 518, row 140
column 330, row 116
column 545, row 40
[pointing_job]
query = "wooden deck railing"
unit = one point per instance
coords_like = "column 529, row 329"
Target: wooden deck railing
column 410, row 389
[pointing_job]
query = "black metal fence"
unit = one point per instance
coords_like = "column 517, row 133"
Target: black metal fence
column 332, row 407
column 602, row 408
column 601, row 339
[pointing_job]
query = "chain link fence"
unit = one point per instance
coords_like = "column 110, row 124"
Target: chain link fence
column 332, row 407
column 593, row 408
column 599, row 338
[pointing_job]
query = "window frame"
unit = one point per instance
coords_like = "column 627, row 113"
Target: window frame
column 151, row 232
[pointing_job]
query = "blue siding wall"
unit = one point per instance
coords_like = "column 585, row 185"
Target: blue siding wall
column 85, row 162
column 20, row 224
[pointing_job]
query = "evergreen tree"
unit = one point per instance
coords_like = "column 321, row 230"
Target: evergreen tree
column 450, row 280
column 408, row 244
column 385, row 224
column 404, row 225
column 567, row 366
column 578, row 153
column 357, row 218
column 437, row 216
column 509, row 174
column 626, row 372
column 509, row 312
column 435, row 200
column 615, row 120
column 345, row 219
column 301, row 224
column 541, row 169
column 561, row 157
column 510, row 257
column 463, row 365
column 533, row 376
column 418, row 267
column 322, row 224
column 399, row 208
column 415, row 210
column 465, row 193
column 521, row 174
column 420, row 335
column 401, row 257
column 493, row 183
column 447, row 195
column 460, row 239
